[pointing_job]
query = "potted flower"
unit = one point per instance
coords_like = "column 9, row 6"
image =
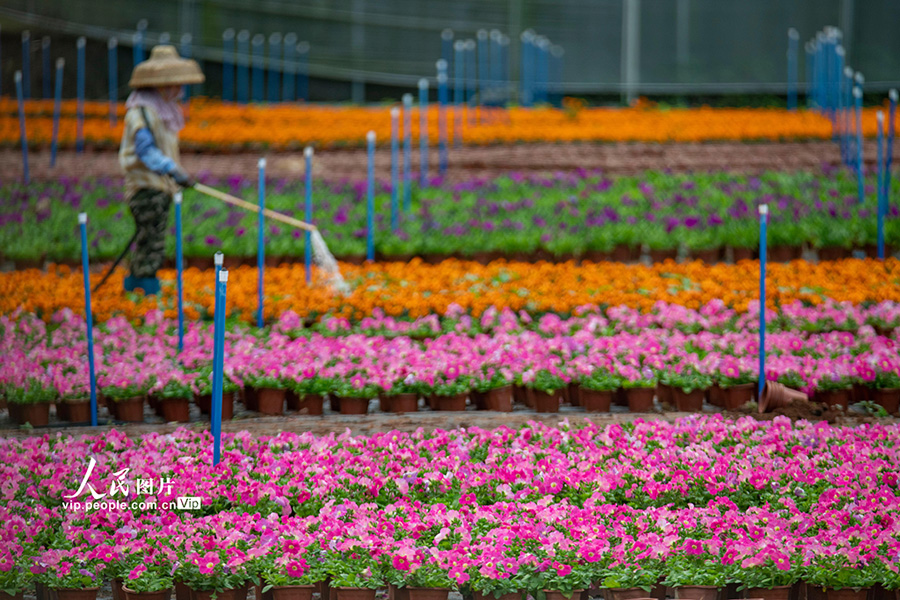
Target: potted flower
column 127, row 396
column 355, row 392
column 597, row 390
column 546, row 386
column 70, row 575
column 885, row 387
column 353, row 574
column 840, row 578
column 737, row 384
column 269, row 388
column 419, row 578
column 204, row 573
column 401, row 396
column 563, row 576
column 306, row 390
column 629, row 579
column 492, row 389
column 448, row 390
column 639, row 386
column 29, row 402
column 291, row 576
column 834, row 390
column 148, row 579
column 694, row 573
column 770, row 577
column 688, row 388
column 202, row 387
column 14, row 580
column 175, row 398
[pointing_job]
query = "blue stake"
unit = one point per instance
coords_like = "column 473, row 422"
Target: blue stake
column 261, row 242
column 860, row 174
column 303, row 71
column 840, row 84
column 423, row 132
column 23, row 135
column 258, row 51
column 484, row 76
column 219, row 364
column 527, row 74
column 542, row 68
column 442, row 116
column 496, row 67
column 504, row 68
column 79, row 132
column 88, row 317
column 459, row 88
column 57, row 105
column 889, row 150
column 218, row 260
column 228, row 65
column 556, row 54
column 793, row 44
column 26, row 64
column 179, row 270
column 850, row 158
column 46, row 69
column 243, row 67
column 307, row 255
column 287, row 83
column 407, row 152
column 395, row 168
column 810, row 78
column 187, row 52
column 112, row 48
column 447, row 45
column 370, row 200
column 275, row 51
column 879, row 117
column 763, row 218
column 471, row 80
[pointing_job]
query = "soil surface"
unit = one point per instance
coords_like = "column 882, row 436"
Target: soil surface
column 470, row 162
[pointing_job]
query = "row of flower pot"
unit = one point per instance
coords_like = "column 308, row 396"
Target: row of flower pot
column 323, row 591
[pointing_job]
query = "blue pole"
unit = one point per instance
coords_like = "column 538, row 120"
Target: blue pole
column 407, row 152
column 495, row 67
column 243, row 66
column 57, row 105
column 763, row 218
column 307, row 255
column 228, row 65
column 26, row 64
column 504, row 68
column 261, row 242
column 275, row 51
column 370, row 200
column 889, row 150
column 23, row 134
column 46, row 69
column 187, row 52
column 526, row 75
column 112, row 49
column 218, row 260
column 556, row 54
column 484, row 76
column 860, row 175
column 820, row 105
column 471, row 80
column 442, row 116
column 423, row 132
column 179, row 270
column 258, row 51
column 88, row 317
column 219, row 364
column 303, row 71
column 395, row 168
column 793, row 43
column 447, row 45
column 839, row 86
column 543, row 69
column 879, row 117
column 849, row 133
column 79, row 133
column 459, row 84
column 810, row 75
column 287, row 83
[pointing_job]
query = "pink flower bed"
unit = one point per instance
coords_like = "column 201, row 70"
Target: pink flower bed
column 702, row 501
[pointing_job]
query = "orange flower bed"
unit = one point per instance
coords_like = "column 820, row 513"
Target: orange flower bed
column 417, row 289
column 216, row 125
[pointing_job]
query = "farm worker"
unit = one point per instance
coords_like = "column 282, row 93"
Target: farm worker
column 149, row 156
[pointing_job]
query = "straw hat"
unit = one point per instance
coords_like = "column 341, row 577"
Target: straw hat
column 165, row 67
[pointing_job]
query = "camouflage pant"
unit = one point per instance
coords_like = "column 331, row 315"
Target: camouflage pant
column 151, row 216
